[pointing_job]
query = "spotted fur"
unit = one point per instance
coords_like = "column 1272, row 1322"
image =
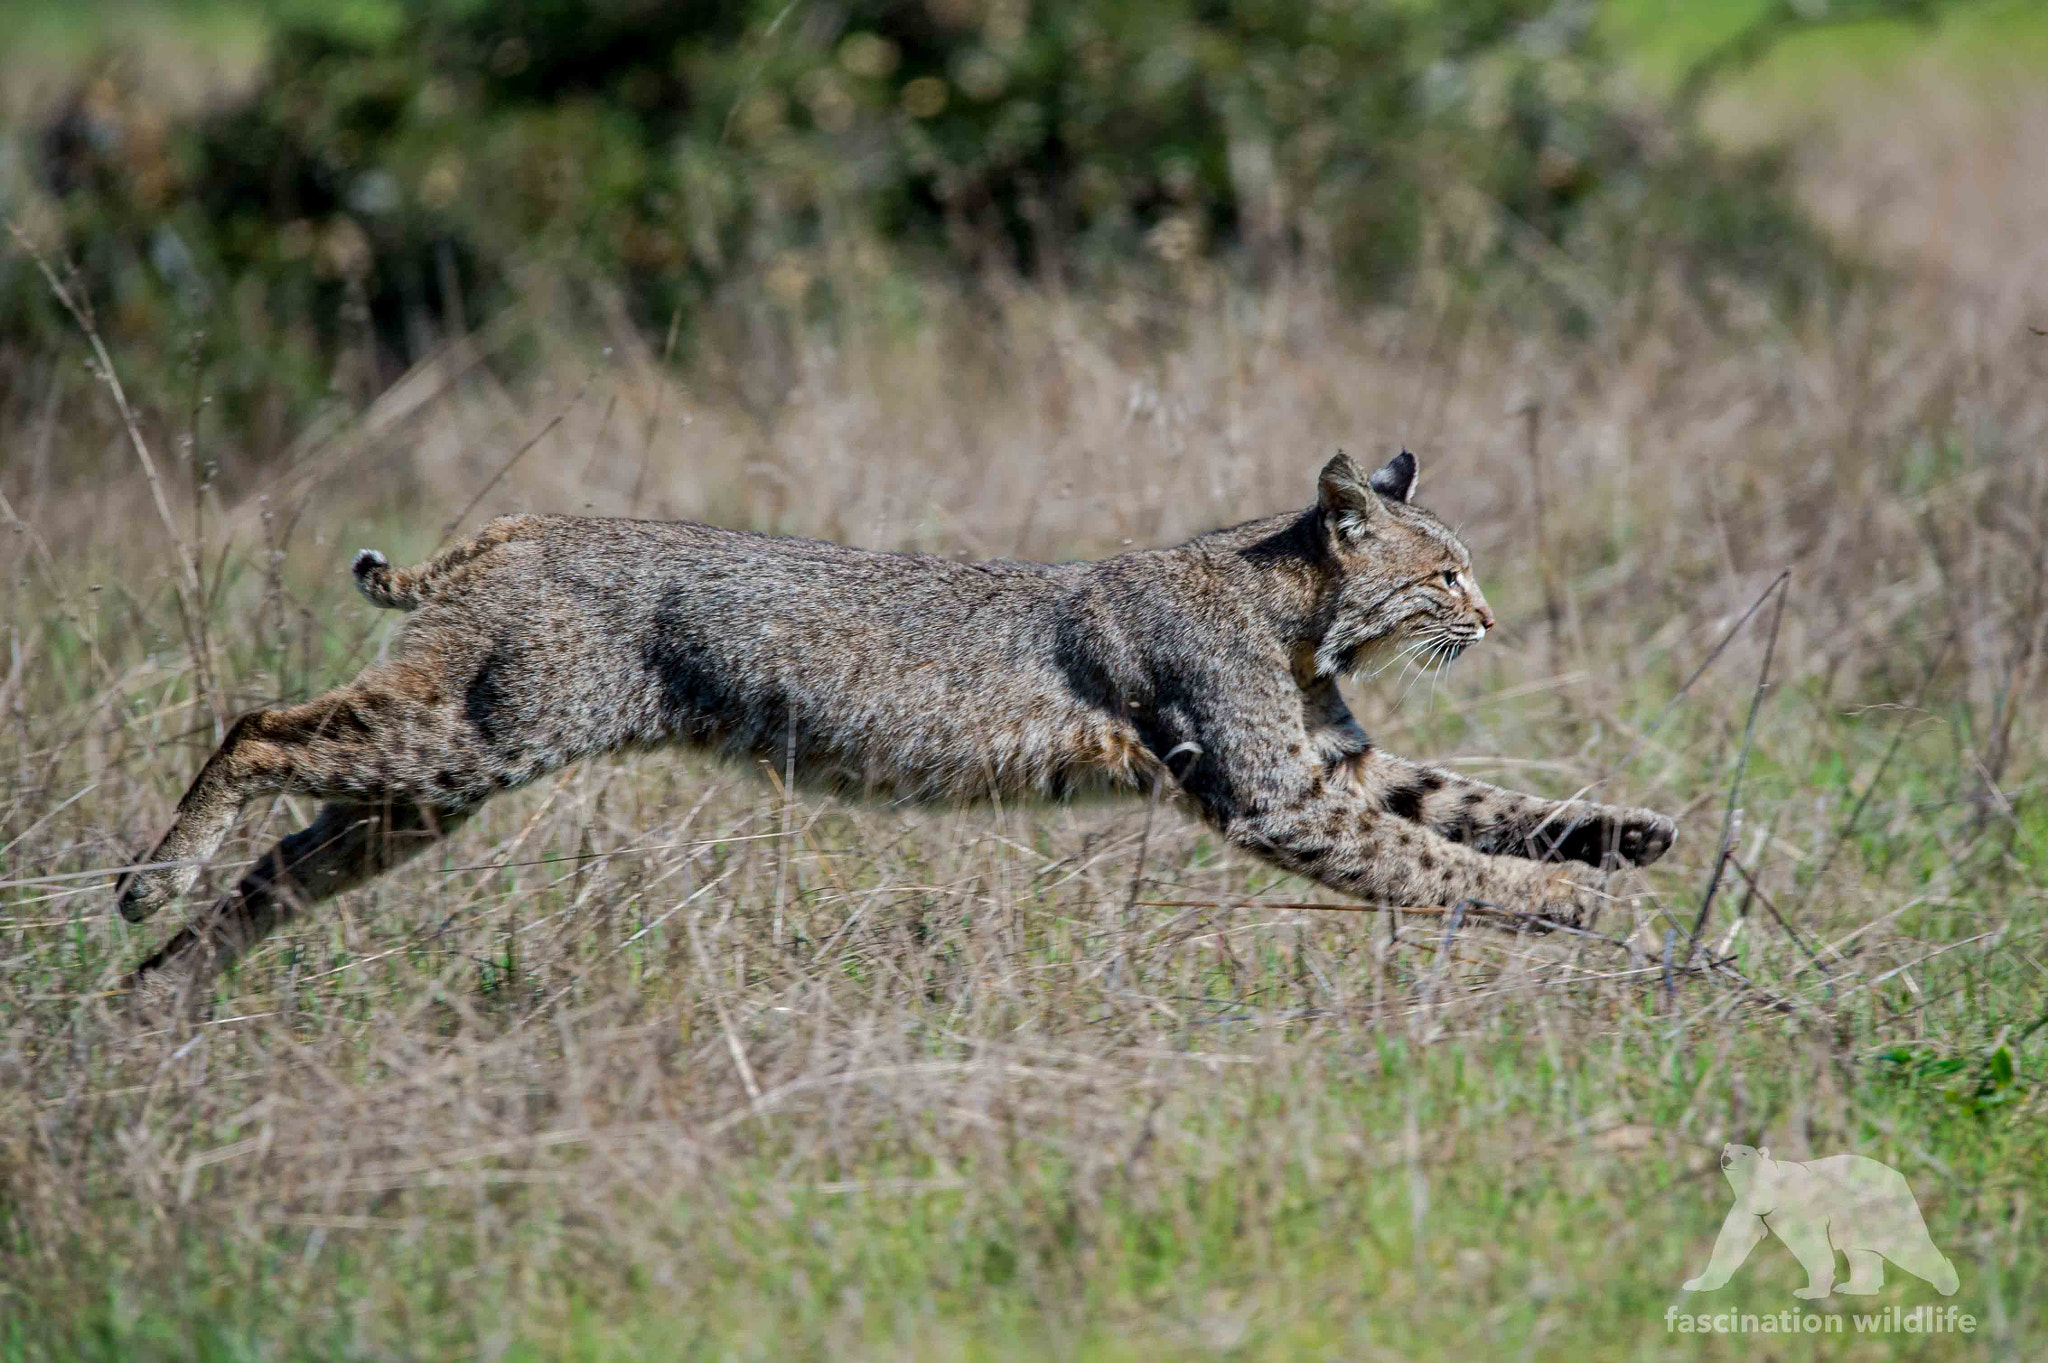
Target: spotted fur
column 1210, row 667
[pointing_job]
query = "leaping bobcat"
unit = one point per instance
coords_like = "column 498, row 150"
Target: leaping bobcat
column 1209, row 669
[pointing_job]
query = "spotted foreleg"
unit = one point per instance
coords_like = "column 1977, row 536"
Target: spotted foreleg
column 1508, row 823
column 1332, row 834
column 1233, row 744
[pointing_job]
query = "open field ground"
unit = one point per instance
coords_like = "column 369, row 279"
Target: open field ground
column 661, row 1059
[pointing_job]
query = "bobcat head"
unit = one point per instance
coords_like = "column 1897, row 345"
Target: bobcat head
column 1404, row 584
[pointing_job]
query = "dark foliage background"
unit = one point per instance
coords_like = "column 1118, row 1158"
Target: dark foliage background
column 403, row 168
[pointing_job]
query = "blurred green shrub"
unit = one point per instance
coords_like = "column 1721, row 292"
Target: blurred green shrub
column 404, row 166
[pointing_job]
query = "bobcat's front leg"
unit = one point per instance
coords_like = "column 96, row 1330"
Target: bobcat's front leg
column 1268, row 784
column 1335, row 836
column 1508, row 823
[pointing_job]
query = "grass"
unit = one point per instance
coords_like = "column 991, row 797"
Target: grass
column 657, row 1061
column 185, row 51
column 1662, row 39
column 1402, row 1245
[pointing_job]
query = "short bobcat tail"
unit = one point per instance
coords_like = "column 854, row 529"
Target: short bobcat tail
column 410, row 588
column 386, row 586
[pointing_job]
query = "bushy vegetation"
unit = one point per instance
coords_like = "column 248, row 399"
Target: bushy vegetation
column 659, row 1058
column 403, row 167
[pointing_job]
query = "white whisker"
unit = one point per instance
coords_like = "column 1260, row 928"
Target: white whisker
column 1407, row 650
column 1436, row 641
column 1416, row 656
column 1445, row 657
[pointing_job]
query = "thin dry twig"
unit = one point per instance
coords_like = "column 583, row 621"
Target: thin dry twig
column 1664, row 711
column 191, row 593
column 557, row 419
column 1757, row 891
column 1913, row 708
column 1780, row 584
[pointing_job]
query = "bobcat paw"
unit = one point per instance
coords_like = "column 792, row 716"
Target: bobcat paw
column 154, row 997
column 1609, row 837
column 136, row 897
column 1643, row 835
column 169, row 986
column 1564, row 898
column 141, row 893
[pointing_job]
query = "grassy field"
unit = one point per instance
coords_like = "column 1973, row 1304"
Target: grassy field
column 661, row 1060
column 1663, row 38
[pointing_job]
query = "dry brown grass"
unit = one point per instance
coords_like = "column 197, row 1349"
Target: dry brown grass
column 660, row 1059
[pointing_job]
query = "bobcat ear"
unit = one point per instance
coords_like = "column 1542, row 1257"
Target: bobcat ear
column 1343, row 491
column 1395, row 480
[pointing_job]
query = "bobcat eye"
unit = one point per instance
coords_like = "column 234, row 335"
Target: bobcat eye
column 1450, row 577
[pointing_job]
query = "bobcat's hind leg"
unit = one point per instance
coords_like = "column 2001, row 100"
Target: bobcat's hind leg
column 385, row 736
column 345, row 846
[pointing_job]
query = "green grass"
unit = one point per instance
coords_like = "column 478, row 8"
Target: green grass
column 186, row 48
column 494, row 1106
column 1811, row 73
column 1313, row 1144
column 1545, row 1207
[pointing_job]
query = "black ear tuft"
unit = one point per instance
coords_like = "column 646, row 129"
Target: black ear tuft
column 1341, row 488
column 1396, row 479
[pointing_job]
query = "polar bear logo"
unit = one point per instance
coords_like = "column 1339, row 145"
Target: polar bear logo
column 1843, row 1202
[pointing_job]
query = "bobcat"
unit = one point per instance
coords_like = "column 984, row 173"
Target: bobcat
column 1209, row 670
